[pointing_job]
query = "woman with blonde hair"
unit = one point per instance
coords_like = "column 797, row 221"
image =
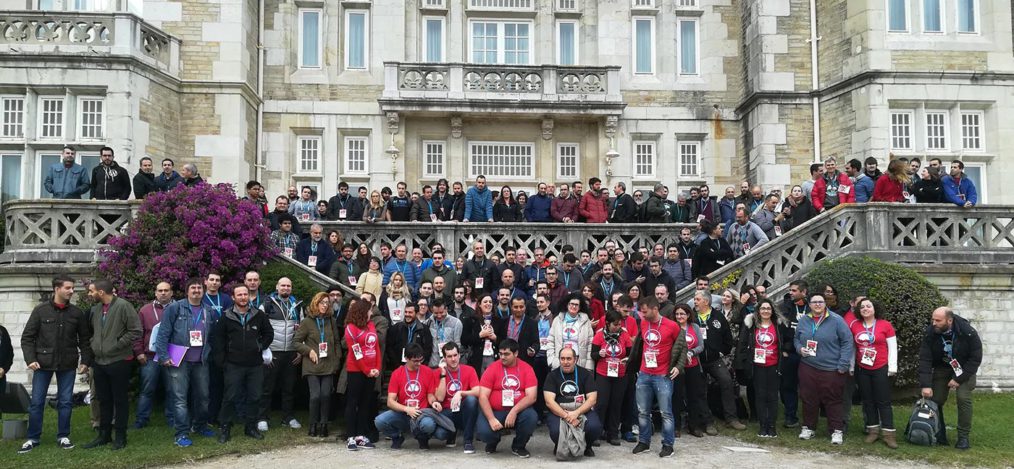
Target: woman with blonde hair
column 394, row 298
column 892, row 187
column 316, row 341
column 376, row 209
column 372, row 280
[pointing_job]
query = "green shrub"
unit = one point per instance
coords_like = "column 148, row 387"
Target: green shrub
column 905, row 297
column 302, row 285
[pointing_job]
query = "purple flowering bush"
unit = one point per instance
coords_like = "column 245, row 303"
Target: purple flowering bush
column 186, row 232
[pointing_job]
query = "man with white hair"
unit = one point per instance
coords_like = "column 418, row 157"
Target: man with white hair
column 191, row 177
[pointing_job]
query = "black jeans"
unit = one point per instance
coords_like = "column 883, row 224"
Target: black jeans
column 690, row 394
column 216, row 389
column 765, row 385
column 281, row 374
column 717, row 370
column 243, row 388
column 541, row 368
column 111, row 384
column 359, row 391
column 875, row 387
column 790, row 386
column 609, row 406
column 320, row 397
column 628, row 417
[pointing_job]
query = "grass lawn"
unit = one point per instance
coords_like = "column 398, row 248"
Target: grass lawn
column 992, row 439
column 151, row 446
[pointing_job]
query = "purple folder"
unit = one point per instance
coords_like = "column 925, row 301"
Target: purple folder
column 176, row 353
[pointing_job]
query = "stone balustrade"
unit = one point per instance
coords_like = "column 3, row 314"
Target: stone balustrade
column 61, row 231
column 89, row 34
column 556, row 89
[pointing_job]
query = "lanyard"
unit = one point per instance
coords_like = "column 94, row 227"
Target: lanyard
column 702, row 319
column 354, row 337
column 256, row 302
column 657, row 328
column 408, row 379
column 513, row 331
column 543, row 327
column 440, row 330
column 577, row 384
column 566, row 279
column 500, row 313
column 607, row 291
column 411, row 332
column 453, row 379
column 243, row 318
column 612, row 340
column 290, row 304
column 764, row 329
column 313, row 248
column 154, row 309
column 200, row 314
column 217, row 302
column 686, row 250
column 320, row 327
column 816, row 323
column 430, row 204
column 871, row 331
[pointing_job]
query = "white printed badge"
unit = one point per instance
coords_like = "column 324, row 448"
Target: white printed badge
column 305, row 217
column 479, row 282
column 352, row 280
column 342, row 213
column 487, row 349
column 868, row 357
column 613, row 368
column 651, row 359
column 544, row 343
column 396, row 315
column 322, row 350
column 413, row 403
column 357, row 351
column 811, row 347
column 311, row 261
column 759, row 356
column 507, row 398
column 288, row 252
column 196, row 338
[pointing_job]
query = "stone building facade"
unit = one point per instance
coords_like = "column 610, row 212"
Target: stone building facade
column 377, row 91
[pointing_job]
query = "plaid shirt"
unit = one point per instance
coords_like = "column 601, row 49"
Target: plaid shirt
column 284, row 240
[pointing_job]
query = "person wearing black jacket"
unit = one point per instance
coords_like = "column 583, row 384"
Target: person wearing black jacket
column 799, row 209
column 713, row 252
column 409, row 331
column 928, row 189
column 109, row 180
column 480, row 270
column 717, row 337
column 144, row 180
column 6, row 359
column 949, row 359
column 522, row 329
column 457, row 210
column 238, row 342
column 794, row 306
column 761, row 349
column 623, row 208
column 344, row 207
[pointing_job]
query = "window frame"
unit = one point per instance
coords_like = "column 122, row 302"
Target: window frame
column 21, row 175
column 908, row 17
column 559, row 41
column 977, row 17
column 301, row 52
column 501, row 40
column 943, row 16
column 4, row 99
column 345, row 154
column 945, row 125
column 318, row 166
column 910, row 114
column 80, row 118
column 981, row 137
column 654, row 158
column 679, row 46
column 425, row 159
column 425, row 42
column 577, row 161
column 633, row 43
column 698, row 145
column 531, row 166
column 366, row 39
column 41, row 113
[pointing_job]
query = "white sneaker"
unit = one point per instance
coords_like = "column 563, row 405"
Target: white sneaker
column 806, row 433
column 294, row 424
column 262, row 426
column 837, row 437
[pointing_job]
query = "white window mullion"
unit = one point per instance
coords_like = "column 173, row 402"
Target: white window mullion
column 13, row 109
column 568, row 157
column 502, row 160
column 644, row 159
column 91, row 118
column 901, row 130
column 356, row 155
column 308, row 149
column 51, row 118
column 433, row 158
column 971, row 131
column 936, row 131
column 690, row 153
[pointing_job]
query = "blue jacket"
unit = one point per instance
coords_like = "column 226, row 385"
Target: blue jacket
column 727, row 208
column 478, row 205
column 325, row 254
column 67, row 183
column 175, row 328
column 864, row 188
column 538, row 207
column 411, row 272
column 164, row 183
column 834, row 342
column 958, row 194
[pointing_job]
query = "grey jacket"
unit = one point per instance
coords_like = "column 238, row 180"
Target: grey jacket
column 452, row 332
column 765, row 219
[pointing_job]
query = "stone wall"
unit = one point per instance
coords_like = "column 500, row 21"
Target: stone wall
column 160, row 110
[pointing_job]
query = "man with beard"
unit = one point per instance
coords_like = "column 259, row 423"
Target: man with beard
column 144, row 180
column 949, row 359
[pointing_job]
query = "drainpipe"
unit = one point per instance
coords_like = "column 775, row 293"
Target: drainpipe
column 259, row 163
column 815, row 80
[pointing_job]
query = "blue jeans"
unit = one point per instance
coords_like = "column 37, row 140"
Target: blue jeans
column 152, row 374
column 64, row 394
column 464, row 419
column 524, row 426
column 190, row 379
column 396, row 425
column 659, row 389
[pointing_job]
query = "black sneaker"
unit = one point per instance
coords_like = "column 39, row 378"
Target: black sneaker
column 791, row 423
column 64, row 443
column 30, row 445
column 962, row 443
column 588, row 452
column 521, row 453
column 490, row 449
column 666, row 452
column 640, row 448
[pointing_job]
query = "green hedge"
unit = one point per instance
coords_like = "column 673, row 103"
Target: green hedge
column 302, row 286
column 906, row 298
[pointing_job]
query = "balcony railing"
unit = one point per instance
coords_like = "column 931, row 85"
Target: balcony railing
column 502, row 5
column 457, row 84
column 32, row 33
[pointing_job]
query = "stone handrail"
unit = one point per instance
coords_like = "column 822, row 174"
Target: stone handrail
column 90, row 34
column 61, row 231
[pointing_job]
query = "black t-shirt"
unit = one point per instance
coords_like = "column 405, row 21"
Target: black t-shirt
column 566, row 387
column 400, row 207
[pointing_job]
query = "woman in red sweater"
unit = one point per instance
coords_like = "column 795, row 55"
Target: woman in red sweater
column 362, row 365
column 891, row 186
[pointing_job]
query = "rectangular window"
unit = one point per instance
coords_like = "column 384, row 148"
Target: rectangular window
column 971, row 130
column 501, row 160
column 688, row 3
column 644, row 45
column 433, row 159
column 51, row 118
column 309, row 154
column 10, row 177
column 644, row 4
column 434, row 38
column 91, row 112
column 494, row 42
column 356, row 155
column 13, row 109
column 689, row 158
column 357, row 40
column 968, row 16
column 936, row 131
column 901, row 130
column 688, row 46
column 897, row 15
column 309, row 38
column 566, row 5
column 567, row 157
column 566, row 42
column 644, row 159
column 932, row 16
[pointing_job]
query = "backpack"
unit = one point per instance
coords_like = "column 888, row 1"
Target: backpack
column 923, row 424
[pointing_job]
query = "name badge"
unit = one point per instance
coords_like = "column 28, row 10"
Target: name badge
column 403, row 360
column 413, row 403
column 579, row 399
column 288, row 252
column 700, row 218
column 746, row 248
column 440, row 346
column 845, row 189
column 956, row 367
column 704, row 333
column 196, row 338
column 357, row 351
column 778, row 231
column 479, row 281
column 342, row 213
column 570, row 344
column 651, row 359
column 305, row 217
column 720, row 262
column 869, row 355
column 433, row 217
column 487, row 349
column 396, row 315
column 690, row 262
column 507, row 398
column 759, row 356
column 311, row 261
column 613, row 368
column 353, row 280
column 322, row 350
column 811, row 347
column 544, row 343
column 455, row 406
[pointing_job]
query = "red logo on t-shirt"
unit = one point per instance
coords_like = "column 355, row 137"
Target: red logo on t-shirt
column 371, row 340
column 864, row 338
column 652, row 337
column 765, row 339
column 413, row 388
column 510, row 382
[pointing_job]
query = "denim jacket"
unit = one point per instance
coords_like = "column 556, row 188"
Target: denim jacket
column 175, row 328
column 67, row 183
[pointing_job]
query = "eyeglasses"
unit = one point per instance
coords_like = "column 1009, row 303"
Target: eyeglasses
column 573, row 304
column 816, row 302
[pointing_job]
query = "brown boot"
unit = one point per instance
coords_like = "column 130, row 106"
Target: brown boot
column 872, row 433
column 889, row 439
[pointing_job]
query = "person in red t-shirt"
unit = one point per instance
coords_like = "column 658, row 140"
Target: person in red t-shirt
column 690, row 390
column 758, row 356
column 610, row 350
column 461, row 400
column 362, row 366
column 414, row 389
column 663, row 353
column 507, row 393
column 877, row 360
